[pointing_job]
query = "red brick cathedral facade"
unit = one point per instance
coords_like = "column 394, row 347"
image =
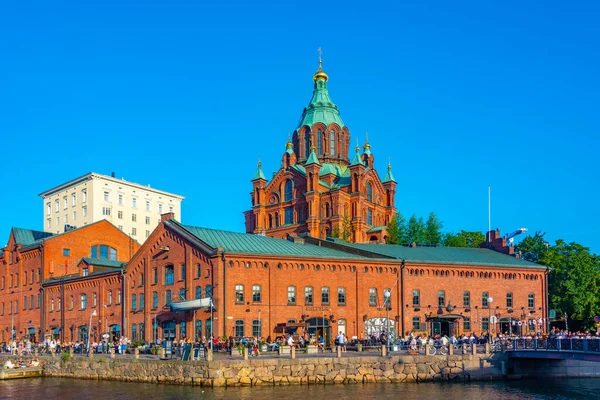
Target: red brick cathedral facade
column 318, row 190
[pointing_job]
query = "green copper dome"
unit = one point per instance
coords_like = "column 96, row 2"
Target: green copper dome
column 320, row 108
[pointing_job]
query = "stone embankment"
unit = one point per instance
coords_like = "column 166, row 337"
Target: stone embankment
column 269, row 371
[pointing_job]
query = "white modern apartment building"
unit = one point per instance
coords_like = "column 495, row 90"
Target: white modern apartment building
column 133, row 208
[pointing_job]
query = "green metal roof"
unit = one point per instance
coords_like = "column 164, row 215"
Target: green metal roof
column 448, row 255
column 259, row 173
column 246, row 243
column 389, row 177
column 376, row 229
column 28, row 237
column 357, row 160
column 103, row 262
column 320, row 108
column 312, row 158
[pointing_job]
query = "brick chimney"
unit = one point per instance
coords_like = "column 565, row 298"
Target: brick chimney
column 166, row 216
column 496, row 242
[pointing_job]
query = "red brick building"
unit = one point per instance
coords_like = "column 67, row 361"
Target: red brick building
column 318, row 190
column 32, row 258
column 264, row 286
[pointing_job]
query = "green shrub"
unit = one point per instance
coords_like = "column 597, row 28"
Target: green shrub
column 65, row 355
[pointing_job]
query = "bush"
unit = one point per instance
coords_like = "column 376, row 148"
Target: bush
column 65, row 355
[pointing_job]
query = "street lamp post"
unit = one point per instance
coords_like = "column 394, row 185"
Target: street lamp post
column 489, row 304
column 92, row 314
column 387, row 295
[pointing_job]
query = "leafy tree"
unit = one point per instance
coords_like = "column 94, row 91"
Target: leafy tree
column 463, row 239
column 574, row 278
column 346, row 229
column 396, row 230
column 416, row 230
column 432, row 233
column 335, row 233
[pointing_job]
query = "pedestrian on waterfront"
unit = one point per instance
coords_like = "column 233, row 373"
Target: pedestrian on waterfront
column 321, row 343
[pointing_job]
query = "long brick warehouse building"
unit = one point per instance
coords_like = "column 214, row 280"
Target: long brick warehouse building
column 283, row 275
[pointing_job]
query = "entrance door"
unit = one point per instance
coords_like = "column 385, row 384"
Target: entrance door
column 115, row 332
column 168, row 329
column 341, row 326
column 319, row 327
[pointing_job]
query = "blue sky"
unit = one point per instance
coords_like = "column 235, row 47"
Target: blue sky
column 186, row 95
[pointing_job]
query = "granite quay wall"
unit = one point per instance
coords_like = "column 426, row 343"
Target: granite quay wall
column 277, row 371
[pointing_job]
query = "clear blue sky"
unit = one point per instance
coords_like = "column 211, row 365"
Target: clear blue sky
column 184, row 96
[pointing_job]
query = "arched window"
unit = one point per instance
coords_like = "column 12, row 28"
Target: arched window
column 332, row 142
column 168, row 298
column 319, row 142
column 169, row 275
column 289, row 215
column 142, row 301
column 327, row 210
column 531, row 300
column 369, row 191
column 276, row 220
column 256, row 295
column 239, row 294
column 239, row 328
column 287, row 194
column 509, row 300
column 325, row 296
column 133, row 332
column 307, row 144
column 369, row 217
column 133, row 302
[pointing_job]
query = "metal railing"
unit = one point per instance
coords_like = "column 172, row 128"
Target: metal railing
column 549, row 344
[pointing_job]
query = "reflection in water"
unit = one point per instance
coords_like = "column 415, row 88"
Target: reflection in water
column 51, row 388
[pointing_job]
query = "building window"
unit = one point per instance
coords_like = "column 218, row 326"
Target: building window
column 198, row 292
column 369, row 217
column 83, row 301
column 110, row 299
column 147, row 220
column 73, row 199
column 142, row 279
column 441, row 298
column 134, row 202
column 289, row 215
column 94, row 299
column 59, row 303
column 198, row 271
column 24, row 302
column 239, row 294
column 341, row 296
column 56, row 205
column 256, row 298
column 372, row 297
column 65, row 202
column 142, row 301
column 154, row 300
column 466, row 299
column 106, row 211
column 51, row 306
column 182, row 332
column 291, row 297
column 133, row 302
column 319, row 142
column 66, row 252
column 484, row 297
column 531, row 324
column 182, row 272
column 168, row 298
column 120, row 214
column 239, row 328
column 119, row 296
column 147, row 233
column 120, row 199
column 170, row 209
column 85, row 272
column 416, row 300
column 39, row 301
column 182, row 294
column 208, row 291
column 74, row 215
column 133, row 332
column 325, row 296
column 154, row 276
column 308, row 295
column 369, row 191
column 416, row 323
column 48, row 208
column 509, row 300
column 531, row 300
column 466, row 324
column 106, row 196
column 147, row 206
column 485, row 324
column 85, row 211
column 332, row 142
column 169, row 275
column 256, row 328
column 288, row 190
column 134, row 217
column 198, row 329
column 160, row 208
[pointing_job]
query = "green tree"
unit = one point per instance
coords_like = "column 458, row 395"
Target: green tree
column 433, row 230
column 346, row 229
column 574, row 276
column 396, row 230
column 335, row 233
column 463, row 239
column 415, row 231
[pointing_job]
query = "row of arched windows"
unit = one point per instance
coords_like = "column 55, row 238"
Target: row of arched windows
column 472, row 274
column 325, row 144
